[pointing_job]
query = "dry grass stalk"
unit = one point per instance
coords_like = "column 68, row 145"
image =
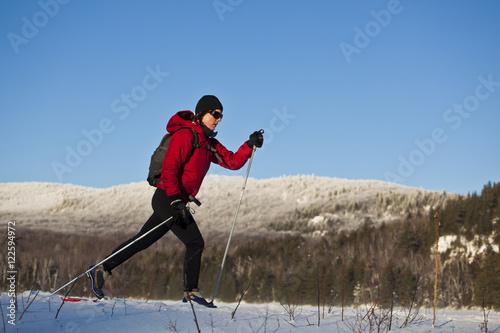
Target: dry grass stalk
column 241, row 298
column 436, row 227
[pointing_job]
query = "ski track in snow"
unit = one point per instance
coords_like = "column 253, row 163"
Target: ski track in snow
column 127, row 315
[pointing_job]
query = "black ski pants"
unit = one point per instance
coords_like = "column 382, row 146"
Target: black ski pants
column 187, row 232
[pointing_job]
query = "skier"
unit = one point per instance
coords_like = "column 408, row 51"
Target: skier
column 182, row 173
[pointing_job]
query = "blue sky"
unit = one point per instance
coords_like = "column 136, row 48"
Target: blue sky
column 403, row 91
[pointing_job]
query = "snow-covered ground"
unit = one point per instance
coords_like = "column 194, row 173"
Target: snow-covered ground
column 126, row 315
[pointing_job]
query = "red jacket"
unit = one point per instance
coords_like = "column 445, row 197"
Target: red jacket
column 183, row 173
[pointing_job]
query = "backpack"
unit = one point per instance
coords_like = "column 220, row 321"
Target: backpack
column 160, row 152
column 159, row 155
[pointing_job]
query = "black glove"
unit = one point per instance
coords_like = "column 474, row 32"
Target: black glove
column 256, row 139
column 178, row 209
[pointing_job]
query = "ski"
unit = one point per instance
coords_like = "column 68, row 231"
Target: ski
column 82, row 299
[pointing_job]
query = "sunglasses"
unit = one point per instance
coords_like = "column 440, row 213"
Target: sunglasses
column 215, row 114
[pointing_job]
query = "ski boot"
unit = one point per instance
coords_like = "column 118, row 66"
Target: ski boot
column 195, row 296
column 97, row 277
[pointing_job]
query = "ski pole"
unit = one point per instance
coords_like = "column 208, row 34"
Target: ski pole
column 234, row 222
column 111, row 256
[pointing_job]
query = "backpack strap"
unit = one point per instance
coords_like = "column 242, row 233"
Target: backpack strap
column 195, row 138
column 196, row 144
column 213, row 150
column 207, row 147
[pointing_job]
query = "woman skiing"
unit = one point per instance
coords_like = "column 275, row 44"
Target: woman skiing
column 182, row 173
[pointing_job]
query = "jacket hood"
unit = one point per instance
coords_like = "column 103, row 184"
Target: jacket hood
column 182, row 119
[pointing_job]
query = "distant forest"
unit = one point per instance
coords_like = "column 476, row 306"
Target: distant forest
column 390, row 264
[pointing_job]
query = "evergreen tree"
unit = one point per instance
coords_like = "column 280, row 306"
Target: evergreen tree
column 487, row 289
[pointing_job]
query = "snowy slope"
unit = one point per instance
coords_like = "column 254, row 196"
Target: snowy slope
column 126, row 315
column 317, row 203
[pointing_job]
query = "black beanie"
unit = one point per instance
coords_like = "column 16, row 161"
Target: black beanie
column 208, row 102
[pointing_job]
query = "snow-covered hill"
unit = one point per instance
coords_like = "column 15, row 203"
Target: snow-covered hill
column 127, row 315
column 293, row 203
